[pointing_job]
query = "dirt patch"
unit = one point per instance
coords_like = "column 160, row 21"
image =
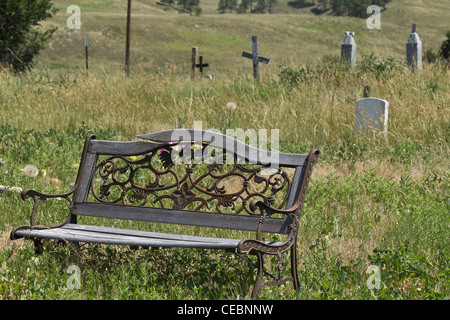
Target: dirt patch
column 6, row 243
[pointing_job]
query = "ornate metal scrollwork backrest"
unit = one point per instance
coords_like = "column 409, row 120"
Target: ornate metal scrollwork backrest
column 212, row 180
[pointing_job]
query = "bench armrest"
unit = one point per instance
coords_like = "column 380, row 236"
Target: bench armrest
column 247, row 245
column 39, row 196
column 268, row 210
column 28, row 193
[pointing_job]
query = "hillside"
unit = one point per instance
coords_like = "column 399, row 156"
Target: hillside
column 162, row 40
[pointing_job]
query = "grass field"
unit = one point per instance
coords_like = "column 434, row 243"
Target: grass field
column 371, row 201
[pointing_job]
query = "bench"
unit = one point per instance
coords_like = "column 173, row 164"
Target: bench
column 185, row 177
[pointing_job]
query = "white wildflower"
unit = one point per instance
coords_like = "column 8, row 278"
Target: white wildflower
column 231, row 105
column 30, row 170
column 17, row 189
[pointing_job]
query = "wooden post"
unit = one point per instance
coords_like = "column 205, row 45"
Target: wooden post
column 255, row 57
column 367, row 90
column 127, row 50
column 86, row 50
column 194, row 61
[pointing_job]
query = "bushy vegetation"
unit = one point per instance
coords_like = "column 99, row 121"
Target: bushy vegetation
column 21, row 38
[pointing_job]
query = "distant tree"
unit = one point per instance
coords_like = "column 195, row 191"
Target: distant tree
column 243, row 6
column 338, row 7
column 169, row 2
column 444, row 50
column 198, row 11
column 188, row 5
column 261, row 6
column 324, row 4
column 354, row 8
column 227, row 5
column 271, row 4
column 183, row 3
column 192, row 4
column 252, row 4
column 381, row 3
column 222, row 6
column 21, row 37
column 232, row 5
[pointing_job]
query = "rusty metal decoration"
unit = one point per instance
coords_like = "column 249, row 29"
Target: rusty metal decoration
column 202, row 185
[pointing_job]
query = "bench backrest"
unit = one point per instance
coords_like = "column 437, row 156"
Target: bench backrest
column 189, row 177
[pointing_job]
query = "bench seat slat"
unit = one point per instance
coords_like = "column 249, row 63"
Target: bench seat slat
column 184, row 217
column 139, row 233
column 115, row 236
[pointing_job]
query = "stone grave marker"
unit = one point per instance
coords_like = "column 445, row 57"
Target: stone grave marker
column 371, row 115
column 414, row 49
column 348, row 48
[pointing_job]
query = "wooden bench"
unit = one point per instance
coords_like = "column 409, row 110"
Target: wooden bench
column 205, row 179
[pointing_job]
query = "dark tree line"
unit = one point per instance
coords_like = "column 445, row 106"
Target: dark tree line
column 246, row 6
column 187, row 5
column 354, row 8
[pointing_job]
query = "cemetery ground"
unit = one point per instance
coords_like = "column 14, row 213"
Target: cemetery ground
column 373, row 200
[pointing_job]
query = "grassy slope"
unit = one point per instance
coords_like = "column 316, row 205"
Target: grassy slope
column 293, row 36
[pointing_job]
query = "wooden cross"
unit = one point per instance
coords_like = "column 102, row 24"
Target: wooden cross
column 255, row 58
column 201, row 65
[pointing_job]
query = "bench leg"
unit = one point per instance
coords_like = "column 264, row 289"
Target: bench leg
column 259, row 276
column 294, row 266
column 278, row 279
column 38, row 246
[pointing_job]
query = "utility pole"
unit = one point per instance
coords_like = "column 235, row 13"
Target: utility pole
column 127, row 52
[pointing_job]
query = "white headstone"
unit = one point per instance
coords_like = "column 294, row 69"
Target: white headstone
column 348, row 48
column 414, row 49
column 371, row 115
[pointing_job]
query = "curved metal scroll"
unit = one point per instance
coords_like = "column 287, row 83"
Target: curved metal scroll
column 211, row 180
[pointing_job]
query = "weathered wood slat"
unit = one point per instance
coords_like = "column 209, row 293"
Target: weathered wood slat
column 296, row 185
column 218, row 140
column 86, row 233
column 125, row 148
column 139, row 233
column 87, row 167
column 185, row 217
